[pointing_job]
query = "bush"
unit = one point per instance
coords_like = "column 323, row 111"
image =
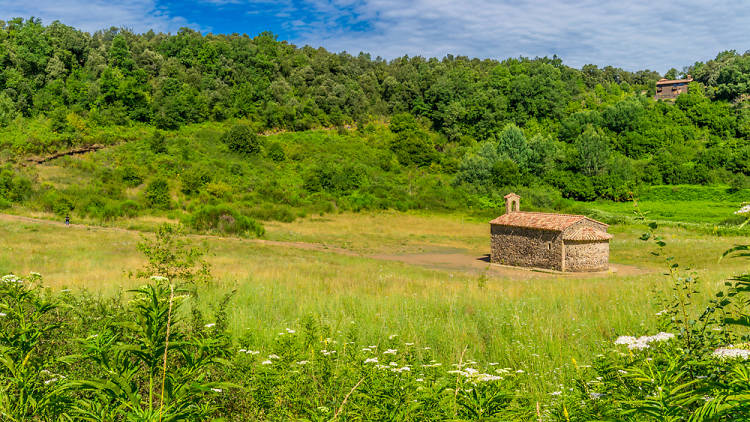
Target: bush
column 157, row 194
column 131, row 176
column 276, row 152
column 193, row 180
column 56, row 202
column 269, row 212
column 158, row 143
column 129, row 208
column 241, row 139
column 225, row 220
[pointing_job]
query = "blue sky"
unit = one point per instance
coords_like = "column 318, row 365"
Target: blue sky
column 633, row 35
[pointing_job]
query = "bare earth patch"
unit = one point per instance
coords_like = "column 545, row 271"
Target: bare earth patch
column 457, row 260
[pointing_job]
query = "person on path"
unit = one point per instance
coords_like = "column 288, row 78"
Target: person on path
column 67, row 220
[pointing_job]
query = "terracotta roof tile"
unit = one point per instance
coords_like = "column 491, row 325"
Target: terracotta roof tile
column 539, row 220
column 586, row 233
column 673, row 81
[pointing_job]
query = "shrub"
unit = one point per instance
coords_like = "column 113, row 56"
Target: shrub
column 56, row 202
column 193, row 180
column 131, row 176
column 157, row 194
column 157, row 143
column 129, row 208
column 331, row 177
column 273, row 212
column 225, row 220
column 241, row 139
column 276, row 152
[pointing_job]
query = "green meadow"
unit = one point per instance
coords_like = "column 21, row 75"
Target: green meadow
column 330, row 268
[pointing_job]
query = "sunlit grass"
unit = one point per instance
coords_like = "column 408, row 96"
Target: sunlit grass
column 537, row 323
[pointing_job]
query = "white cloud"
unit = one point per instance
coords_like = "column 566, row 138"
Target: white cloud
column 92, row 15
column 630, row 34
column 634, row 34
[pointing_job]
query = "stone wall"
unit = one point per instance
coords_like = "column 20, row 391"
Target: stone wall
column 525, row 247
column 586, row 255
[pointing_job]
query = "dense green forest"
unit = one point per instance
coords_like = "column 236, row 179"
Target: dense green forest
column 206, row 125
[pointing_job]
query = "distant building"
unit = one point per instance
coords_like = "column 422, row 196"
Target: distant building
column 669, row 89
column 560, row 242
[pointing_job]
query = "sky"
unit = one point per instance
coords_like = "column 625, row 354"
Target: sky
column 633, row 35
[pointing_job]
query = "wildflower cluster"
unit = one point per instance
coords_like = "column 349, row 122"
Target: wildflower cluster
column 643, row 342
column 732, row 352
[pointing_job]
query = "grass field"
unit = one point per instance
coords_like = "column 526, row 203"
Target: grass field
column 533, row 321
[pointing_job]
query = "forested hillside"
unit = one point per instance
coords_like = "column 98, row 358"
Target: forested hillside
column 188, row 116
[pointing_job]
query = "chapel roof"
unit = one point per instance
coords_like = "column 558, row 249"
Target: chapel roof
column 540, row 220
column 586, row 233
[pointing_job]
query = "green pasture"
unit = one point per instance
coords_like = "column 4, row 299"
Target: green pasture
column 537, row 323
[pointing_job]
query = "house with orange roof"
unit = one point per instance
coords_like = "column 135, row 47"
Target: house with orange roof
column 562, row 242
column 669, row 89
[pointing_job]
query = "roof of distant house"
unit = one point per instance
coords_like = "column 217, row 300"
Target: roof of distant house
column 674, row 81
column 540, row 220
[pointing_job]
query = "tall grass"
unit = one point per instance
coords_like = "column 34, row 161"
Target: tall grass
column 538, row 323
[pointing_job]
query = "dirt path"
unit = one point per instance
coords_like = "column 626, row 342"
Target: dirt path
column 446, row 259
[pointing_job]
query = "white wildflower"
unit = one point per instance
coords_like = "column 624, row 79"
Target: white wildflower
column 253, row 352
column 266, row 362
column 520, row 371
column 290, row 331
column 419, row 380
column 217, row 390
column 638, row 345
column 242, row 351
column 273, row 357
column 744, row 210
column 409, row 344
column 11, row 278
column 731, row 352
column 642, row 342
column 661, row 337
column 390, row 352
column 371, row 360
column 595, row 395
column 555, row 393
column 159, row 278
column 49, row 381
column 210, row 325
column 303, row 362
column 3, row 314
column 393, row 364
column 392, row 336
column 625, row 340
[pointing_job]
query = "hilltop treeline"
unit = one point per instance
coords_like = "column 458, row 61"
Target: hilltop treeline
column 478, row 125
